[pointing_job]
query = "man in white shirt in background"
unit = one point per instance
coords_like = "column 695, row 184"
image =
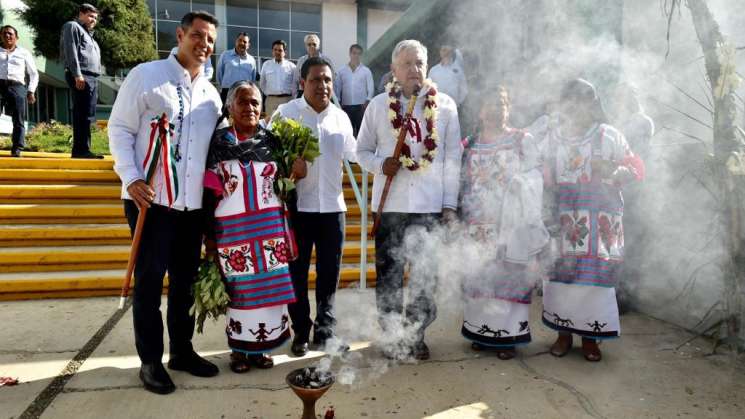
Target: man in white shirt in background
column 207, row 69
column 277, row 79
column 423, row 194
column 449, row 76
column 355, row 87
column 15, row 63
column 172, row 235
column 313, row 49
column 318, row 219
column 236, row 65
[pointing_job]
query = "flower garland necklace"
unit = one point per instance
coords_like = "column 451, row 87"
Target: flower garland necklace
column 397, row 122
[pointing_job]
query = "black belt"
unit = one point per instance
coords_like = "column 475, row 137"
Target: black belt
column 83, row 72
column 8, row 82
column 280, row 95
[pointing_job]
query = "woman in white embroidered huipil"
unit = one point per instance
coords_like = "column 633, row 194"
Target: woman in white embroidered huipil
column 500, row 204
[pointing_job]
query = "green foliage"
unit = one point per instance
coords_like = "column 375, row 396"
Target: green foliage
column 124, row 31
column 127, row 38
column 56, row 137
column 210, row 297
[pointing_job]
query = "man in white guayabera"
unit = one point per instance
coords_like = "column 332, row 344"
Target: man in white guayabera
column 174, row 93
column 424, row 193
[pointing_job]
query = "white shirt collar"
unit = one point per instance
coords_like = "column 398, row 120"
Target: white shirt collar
column 179, row 72
column 307, row 106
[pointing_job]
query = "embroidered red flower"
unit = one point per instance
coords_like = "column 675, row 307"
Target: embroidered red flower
column 575, row 231
column 429, row 144
column 608, row 232
column 237, row 261
column 282, row 252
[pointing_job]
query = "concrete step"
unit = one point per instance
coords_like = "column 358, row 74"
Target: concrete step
column 68, row 213
column 30, row 235
column 20, row 286
column 71, row 212
column 60, row 191
column 57, row 163
column 35, row 176
column 81, row 258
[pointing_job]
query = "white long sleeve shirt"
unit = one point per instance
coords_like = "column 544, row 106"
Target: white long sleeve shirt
column 321, row 189
column 149, row 90
column 450, row 80
column 426, row 190
column 14, row 65
column 278, row 78
column 354, row 87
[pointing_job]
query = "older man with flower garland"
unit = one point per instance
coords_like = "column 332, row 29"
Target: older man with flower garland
column 424, row 192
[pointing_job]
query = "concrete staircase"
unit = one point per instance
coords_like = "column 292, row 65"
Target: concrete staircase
column 63, row 231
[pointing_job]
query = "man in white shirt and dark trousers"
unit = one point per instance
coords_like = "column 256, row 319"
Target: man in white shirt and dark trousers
column 355, row 87
column 236, row 65
column 277, row 79
column 15, row 63
column 449, row 77
column 424, row 192
column 318, row 219
column 172, row 235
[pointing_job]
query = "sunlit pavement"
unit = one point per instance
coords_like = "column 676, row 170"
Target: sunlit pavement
column 644, row 374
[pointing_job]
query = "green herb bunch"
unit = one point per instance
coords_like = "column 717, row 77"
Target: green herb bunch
column 210, row 296
column 293, row 140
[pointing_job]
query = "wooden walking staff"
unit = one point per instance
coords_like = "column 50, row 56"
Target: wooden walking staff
column 159, row 148
column 396, row 154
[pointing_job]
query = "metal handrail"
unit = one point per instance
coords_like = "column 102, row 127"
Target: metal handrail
column 362, row 202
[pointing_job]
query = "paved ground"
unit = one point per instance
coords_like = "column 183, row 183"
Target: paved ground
column 643, row 375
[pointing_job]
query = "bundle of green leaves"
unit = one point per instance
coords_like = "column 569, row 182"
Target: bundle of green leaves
column 293, row 140
column 210, row 296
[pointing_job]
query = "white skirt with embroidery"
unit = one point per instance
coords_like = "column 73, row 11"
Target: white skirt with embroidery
column 586, row 310
column 257, row 330
column 496, row 322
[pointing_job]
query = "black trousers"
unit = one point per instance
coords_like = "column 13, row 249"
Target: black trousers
column 355, row 113
column 83, row 112
column 14, row 101
column 390, row 258
column 325, row 231
column 171, row 241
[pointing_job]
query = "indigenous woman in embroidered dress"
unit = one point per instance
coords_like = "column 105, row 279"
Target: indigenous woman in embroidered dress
column 251, row 233
column 589, row 161
column 500, row 204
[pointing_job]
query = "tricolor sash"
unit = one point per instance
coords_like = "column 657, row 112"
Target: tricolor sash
column 159, row 149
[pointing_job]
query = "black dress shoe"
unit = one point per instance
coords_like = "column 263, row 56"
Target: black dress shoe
column 87, row 155
column 420, row 351
column 193, row 364
column 15, row 153
column 156, row 379
column 299, row 347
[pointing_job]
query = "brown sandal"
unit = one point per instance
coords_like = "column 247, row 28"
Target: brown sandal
column 239, row 363
column 590, row 350
column 262, row 361
column 506, row 354
column 562, row 346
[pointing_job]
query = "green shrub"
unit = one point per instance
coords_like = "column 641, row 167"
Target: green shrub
column 56, row 137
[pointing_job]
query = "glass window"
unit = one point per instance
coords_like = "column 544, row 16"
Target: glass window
column 297, row 49
column 172, row 9
column 306, row 17
column 233, row 32
column 242, row 12
column 206, row 5
column 267, row 37
column 151, row 7
column 167, row 35
column 274, row 14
